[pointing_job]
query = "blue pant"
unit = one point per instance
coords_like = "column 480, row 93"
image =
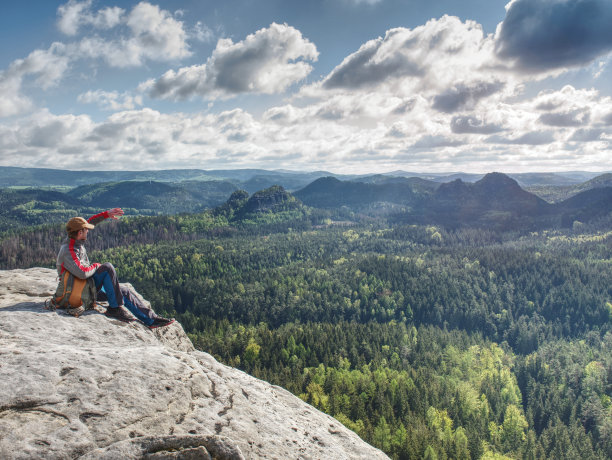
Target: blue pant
column 108, row 288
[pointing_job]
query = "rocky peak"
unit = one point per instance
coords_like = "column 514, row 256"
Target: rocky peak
column 454, row 189
column 497, row 183
column 268, row 199
column 92, row 388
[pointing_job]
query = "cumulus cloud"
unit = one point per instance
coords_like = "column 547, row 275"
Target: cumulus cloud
column 74, row 15
column 202, row 32
column 12, row 101
column 465, row 96
column 469, row 124
column 434, row 56
column 151, row 34
column 430, row 141
column 571, row 107
column 429, row 98
column 530, row 138
column 110, row 100
column 448, row 63
column 375, row 61
column 46, row 67
column 576, row 117
column 540, row 35
column 587, row 135
column 268, row 61
column 128, row 39
column 283, row 138
column 51, row 133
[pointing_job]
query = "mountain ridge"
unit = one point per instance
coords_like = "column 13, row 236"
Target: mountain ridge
column 11, row 176
column 494, row 201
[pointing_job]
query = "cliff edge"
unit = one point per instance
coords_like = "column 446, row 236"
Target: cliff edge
column 92, row 387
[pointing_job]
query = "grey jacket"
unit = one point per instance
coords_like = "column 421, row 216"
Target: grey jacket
column 72, row 255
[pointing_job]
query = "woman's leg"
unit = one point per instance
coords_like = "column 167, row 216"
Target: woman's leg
column 106, row 276
column 136, row 307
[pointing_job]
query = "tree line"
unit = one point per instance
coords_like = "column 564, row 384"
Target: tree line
column 428, row 343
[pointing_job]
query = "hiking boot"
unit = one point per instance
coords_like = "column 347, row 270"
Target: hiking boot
column 75, row 311
column 161, row 322
column 118, row 313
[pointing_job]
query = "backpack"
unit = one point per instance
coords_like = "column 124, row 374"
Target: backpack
column 74, row 294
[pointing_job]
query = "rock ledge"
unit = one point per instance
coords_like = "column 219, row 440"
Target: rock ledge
column 96, row 388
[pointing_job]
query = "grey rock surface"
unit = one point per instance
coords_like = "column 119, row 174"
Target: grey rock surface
column 92, row 387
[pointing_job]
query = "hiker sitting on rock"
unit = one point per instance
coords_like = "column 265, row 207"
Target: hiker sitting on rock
column 100, row 278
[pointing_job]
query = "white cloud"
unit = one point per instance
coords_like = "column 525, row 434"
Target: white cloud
column 152, row 34
column 465, row 96
column 429, row 98
column 51, row 133
column 46, row 66
column 12, row 101
column 74, row 15
column 447, row 62
column 289, row 137
column 110, row 100
column 464, row 124
column 431, row 57
column 268, row 61
column 145, row 33
column 202, row 33
column 156, row 33
column 70, row 16
column 148, row 34
column 571, row 107
column 567, row 118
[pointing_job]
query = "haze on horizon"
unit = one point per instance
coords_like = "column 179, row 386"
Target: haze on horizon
column 346, row 86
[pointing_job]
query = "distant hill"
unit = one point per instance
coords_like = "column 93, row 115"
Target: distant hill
column 556, row 179
column 148, row 197
column 248, row 179
column 20, row 208
column 585, row 206
column 273, row 199
column 38, row 177
column 417, row 184
column 25, row 207
column 252, row 179
column 289, row 181
column 495, row 201
column 554, row 194
column 526, row 179
column 271, row 205
column 329, row 192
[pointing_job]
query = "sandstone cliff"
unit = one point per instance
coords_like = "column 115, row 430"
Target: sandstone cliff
column 91, row 387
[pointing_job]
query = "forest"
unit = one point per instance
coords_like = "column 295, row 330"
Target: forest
column 428, row 342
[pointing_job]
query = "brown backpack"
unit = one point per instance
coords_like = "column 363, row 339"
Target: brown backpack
column 73, row 293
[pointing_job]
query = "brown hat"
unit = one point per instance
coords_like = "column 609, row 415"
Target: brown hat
column 77, row 223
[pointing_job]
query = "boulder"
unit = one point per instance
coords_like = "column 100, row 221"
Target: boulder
column 92, row 387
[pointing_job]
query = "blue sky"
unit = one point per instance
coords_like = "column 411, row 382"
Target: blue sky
column 348, row 86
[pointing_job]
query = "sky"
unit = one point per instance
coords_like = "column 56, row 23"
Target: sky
column 346, row 86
